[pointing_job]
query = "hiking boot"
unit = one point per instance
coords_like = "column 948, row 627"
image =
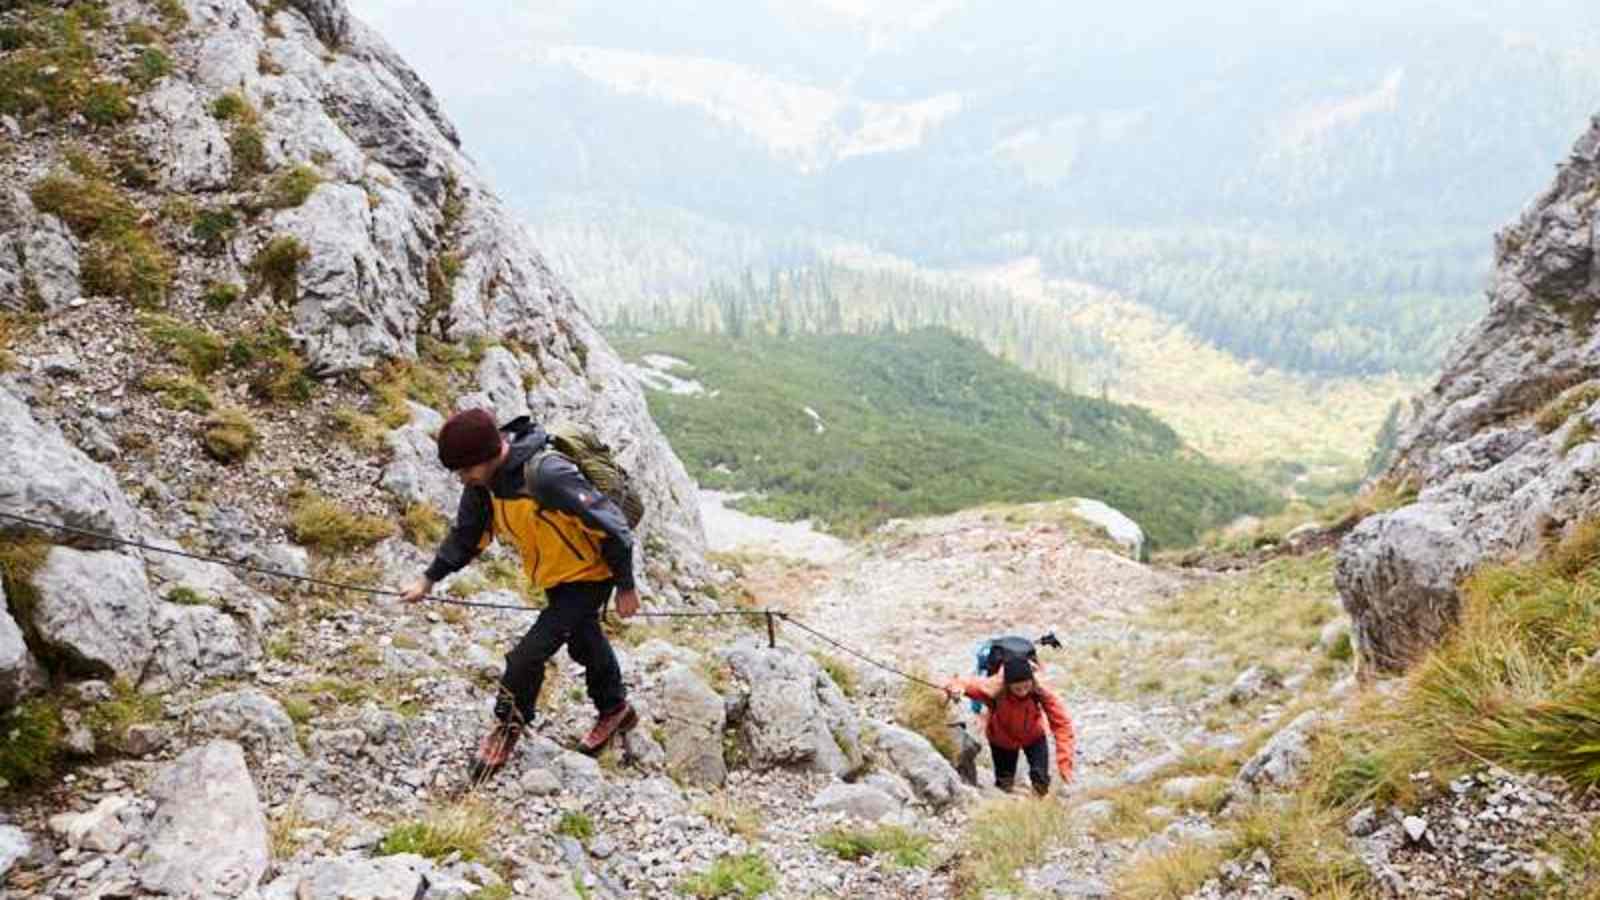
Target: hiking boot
column 494, row 751
column 967, row 759
column 1041, row 790
column 621, row 718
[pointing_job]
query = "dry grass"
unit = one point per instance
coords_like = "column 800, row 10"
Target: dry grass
column 321, row 524
column 424, row 525
column 1171, row 875
column 361, row 431
column 462, row 828
column 928, row 713
column 178, row 392
column 199, row 350
column 1005, row 836
column 229, row 435
column 904, row 848
column 1569, row 403
column 838, row 670
column 277, row 268
column 731, row 816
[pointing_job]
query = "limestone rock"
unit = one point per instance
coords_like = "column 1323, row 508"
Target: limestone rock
column 413, row 474
column 198, row 642
column 42, row 476
column 693, row 738
column 96, row 608
column 855, row 800
column 500, row 374
column 910, row 755
column 14, row 846
column 249, row 716
column 20, row 674
column 1252, row 683
column 1123, row 530
column 794, row 715
column 1280, row 762
column 208, row 837
column 1397, row 574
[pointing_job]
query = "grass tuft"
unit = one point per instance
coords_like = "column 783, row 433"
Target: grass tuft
column 229, row 436
column 30, row 742
column 322, row 524
column 927, row 713
column 842, row 675
column 201, row 351
column 731, row 816
column 905, row 848
column 461, row 828
column 277, row 268
column 576, row 825
column 424, row 525
column 741, row 875
column 1003, row 837
column 1569, row 403
column 179, row 392
column 290, row 188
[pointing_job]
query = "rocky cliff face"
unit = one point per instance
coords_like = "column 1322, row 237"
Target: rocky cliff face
column 249, row 225
column 1502, row 450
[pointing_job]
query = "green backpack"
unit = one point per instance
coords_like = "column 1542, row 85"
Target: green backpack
column 597, row 463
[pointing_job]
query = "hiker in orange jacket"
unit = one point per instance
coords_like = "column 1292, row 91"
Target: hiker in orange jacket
column 1019, row 708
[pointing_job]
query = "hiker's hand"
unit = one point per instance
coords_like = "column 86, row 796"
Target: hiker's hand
column 627, row 602
column 952, row 691
column 416, row 590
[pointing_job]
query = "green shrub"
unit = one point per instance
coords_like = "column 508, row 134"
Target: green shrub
column 322, row 524
column 229, row 435
column 110, row 719
column 249, row 146
column 152, row 65
column 213, row 227
column 743, row 875
column 30, row 742
column 576, row 825
column 106, row 103
column 220, row 295
column 290, row 188
column 277, row 267
column 232, row 106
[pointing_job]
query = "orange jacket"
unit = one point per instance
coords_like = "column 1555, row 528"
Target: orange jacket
column 1017, row 722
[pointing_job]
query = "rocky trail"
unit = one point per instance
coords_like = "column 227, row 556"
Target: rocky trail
column 360, row 723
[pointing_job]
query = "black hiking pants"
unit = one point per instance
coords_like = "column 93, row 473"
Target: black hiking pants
column 1005, row 765
column 571, row 616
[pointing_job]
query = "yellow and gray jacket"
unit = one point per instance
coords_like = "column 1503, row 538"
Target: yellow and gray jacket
column 564, row 529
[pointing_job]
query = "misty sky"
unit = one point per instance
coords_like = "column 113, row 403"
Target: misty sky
column 473, row 46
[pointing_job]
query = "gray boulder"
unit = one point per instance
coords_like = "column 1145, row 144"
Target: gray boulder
column 1121, row 529
column 195, row 643
column 42, row 476
column 20, row 674
column 14, row 846
column 50, row 262
column 1279, row 764
column 794, row 715
column 500, row 375
column 1397, row 575
column 208, row 836
column 249, row 716
column 911, row 756
column 219, row 584
column 1252, row 683
column 692, row 738
column 413, row 474
column 97, row 610
column 181, row 131
column 858, row 801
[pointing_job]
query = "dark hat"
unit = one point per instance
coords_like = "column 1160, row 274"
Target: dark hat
column 468, row 438
column 1018, row 669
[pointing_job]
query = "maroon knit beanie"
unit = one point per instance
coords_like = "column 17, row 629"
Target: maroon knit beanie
column 468, row 438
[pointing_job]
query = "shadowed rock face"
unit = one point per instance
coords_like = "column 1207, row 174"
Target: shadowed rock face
column 1495, row 477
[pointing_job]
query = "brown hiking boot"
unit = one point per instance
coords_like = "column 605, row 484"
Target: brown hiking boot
column 620, row 719
column 494, row 751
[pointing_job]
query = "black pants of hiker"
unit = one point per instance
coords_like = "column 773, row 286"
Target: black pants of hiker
column 1005, row 765
column 571, row 616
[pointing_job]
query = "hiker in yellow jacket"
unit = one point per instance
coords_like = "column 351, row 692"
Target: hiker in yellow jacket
column 575, row 545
